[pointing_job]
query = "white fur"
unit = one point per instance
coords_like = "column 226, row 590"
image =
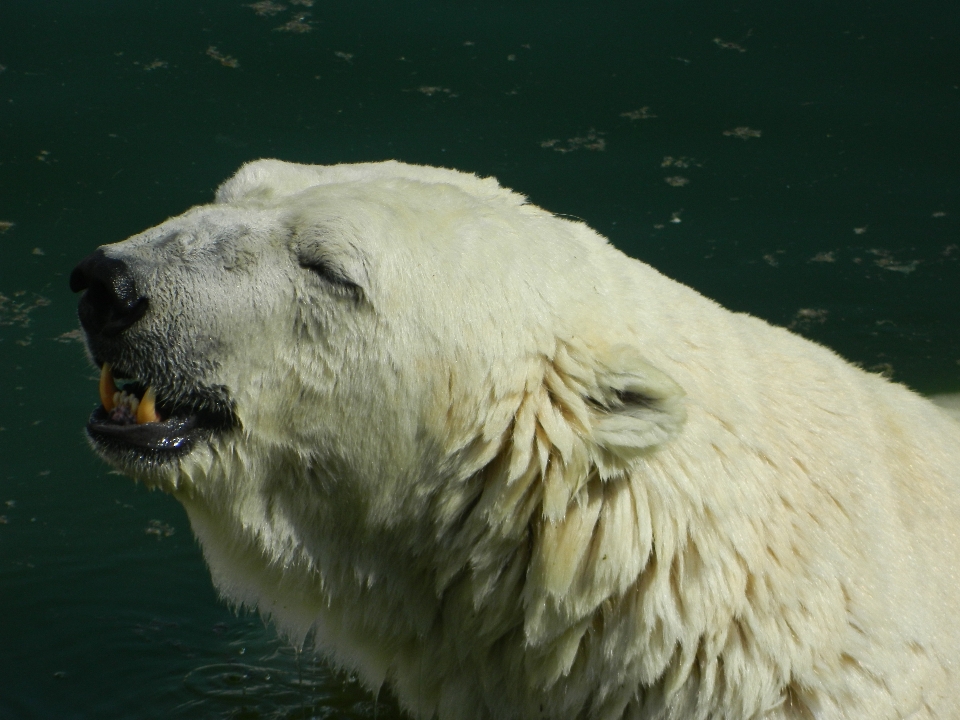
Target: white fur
column 526, row 476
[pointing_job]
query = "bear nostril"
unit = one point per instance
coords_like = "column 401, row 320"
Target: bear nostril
column 111, row 302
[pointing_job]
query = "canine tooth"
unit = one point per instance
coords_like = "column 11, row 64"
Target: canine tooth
column 147, row 409
column 108, row 389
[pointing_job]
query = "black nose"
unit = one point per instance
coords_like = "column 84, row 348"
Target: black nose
column 111, row 302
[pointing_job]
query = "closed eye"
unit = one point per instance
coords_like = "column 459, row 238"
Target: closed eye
column 335, row 278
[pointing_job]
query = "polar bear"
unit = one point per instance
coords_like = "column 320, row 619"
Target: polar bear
column 469, row 449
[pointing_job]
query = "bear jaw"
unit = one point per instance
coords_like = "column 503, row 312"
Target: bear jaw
column 139, row 434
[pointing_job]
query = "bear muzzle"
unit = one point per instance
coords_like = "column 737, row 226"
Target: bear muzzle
column 141, row 419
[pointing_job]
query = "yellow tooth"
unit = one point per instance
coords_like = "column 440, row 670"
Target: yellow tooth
column 147, row 410
column 107, row 388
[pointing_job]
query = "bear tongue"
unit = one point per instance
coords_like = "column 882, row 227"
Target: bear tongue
column 146, row 409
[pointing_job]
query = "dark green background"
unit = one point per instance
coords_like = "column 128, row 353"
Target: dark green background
column 840, row 220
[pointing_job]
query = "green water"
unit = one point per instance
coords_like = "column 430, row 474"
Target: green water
column 834, row 209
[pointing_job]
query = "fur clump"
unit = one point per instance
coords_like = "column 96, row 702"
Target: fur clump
column 486, row 458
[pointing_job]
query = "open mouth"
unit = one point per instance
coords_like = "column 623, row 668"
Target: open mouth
column 131, row 419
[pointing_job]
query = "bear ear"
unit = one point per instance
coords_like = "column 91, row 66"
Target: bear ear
column 264, row 180
column 634, row 407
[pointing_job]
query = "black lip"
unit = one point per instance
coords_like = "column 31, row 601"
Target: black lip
column 158, row 442
column 170, row 437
